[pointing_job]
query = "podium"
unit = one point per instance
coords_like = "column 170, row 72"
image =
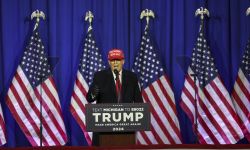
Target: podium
column 117, row 139
column 116, row 124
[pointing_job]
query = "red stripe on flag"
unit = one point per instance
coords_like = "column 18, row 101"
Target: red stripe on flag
column 2, row 125
column 167, row 96
column 224, row 100
column 20, row 121
column 81, row 87
column 51, row 96
column 157, row 118
column 78, row 101
column 208, row 131
column 187, row 111
column 213, row 120
column 191, row 82
column 26, row 113
column 34, row 108
column 47, row 109
column 58, row 108
column 166, row 114
column 145, row 137
column 240, row 103
column 229, row 108
column 243, row 88
column 221, row 115
column 82, row 125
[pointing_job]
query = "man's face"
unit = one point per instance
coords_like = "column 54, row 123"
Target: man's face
column 116, row 64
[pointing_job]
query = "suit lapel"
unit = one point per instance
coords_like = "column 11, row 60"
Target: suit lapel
column 112, row 81
column 124, row 84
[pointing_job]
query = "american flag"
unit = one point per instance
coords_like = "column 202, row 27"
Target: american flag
column 157, row 92
column 33, row 87
column 90, row 62
column 217, row 121
column 241, row 92
column 2, row 128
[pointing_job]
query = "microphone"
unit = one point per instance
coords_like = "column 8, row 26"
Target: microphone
column 116, row 74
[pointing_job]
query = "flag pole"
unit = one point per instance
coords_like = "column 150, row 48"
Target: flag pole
column 199, row 12
column 39, row 14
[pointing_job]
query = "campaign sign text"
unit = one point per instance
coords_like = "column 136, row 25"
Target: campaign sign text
column 123, row 117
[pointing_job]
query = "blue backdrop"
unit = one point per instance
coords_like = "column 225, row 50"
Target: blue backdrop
column 117, row 24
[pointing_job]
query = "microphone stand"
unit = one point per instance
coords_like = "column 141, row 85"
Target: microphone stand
column 41, row 115
column 195, row 108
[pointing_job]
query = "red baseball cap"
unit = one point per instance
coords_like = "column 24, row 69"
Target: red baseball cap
column 115, row 54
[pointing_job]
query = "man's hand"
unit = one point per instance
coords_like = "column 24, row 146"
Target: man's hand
column 95, row 92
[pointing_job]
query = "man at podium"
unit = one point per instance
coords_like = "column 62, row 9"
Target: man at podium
column 114, row 85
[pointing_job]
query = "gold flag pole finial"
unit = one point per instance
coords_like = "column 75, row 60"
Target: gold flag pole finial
column 202, row 12
column 37, row 14
column 147, row 13
column 89, row 17
column 248, row 11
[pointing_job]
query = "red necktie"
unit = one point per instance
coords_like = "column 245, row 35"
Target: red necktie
column 118, row 88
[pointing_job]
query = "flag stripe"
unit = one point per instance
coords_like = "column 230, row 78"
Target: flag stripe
column 225, row 97
column 243, row 84
column 48, row 87
column 212, row 117
column 29, row 108
column 241, row 99
column 207, row 136
column 147, row 95
column 165, row 99
column 212, row 97
column 139, row 140
column 53, row 105
column 206, row 130
column 88, row 135
column 55, row 118
column 154, row 109
column 166, row 89
column 241, row 107
column 33, row 99
column 27, row 114
column 18, row 115
column 160, row 107
column 188, row 98
column 81, row 88
column 2, row 128
column 147, row 138
column 153, row 126
column 228, row 109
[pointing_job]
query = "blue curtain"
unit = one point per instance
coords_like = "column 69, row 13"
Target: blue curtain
column 117, row 24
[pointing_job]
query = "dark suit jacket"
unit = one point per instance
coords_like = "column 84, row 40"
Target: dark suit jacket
column 130, row 91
